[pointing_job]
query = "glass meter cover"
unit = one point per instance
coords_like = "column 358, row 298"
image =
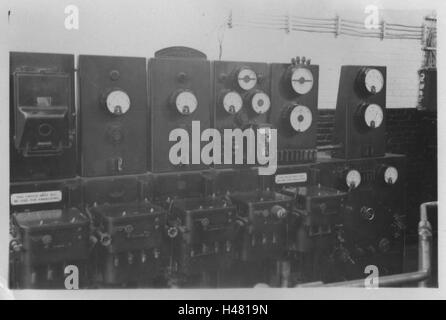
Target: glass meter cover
column 391, row 175
column 117, row 102
column 232, row 102
column 373, row 81
column 246, row 79
column 373, row 115
column 186, row 102
column 302, row 80
column 301, row 118
column 260, row 102
column 353, row 178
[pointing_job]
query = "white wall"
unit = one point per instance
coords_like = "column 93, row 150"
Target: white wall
column 139, row 28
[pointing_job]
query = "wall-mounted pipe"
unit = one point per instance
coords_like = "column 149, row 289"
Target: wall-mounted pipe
column 424, row 260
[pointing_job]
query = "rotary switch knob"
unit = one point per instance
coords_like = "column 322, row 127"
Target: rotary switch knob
column 47, row 240
column 367, row 213
column 115, row 134
column 205, row 223
column 279, row 212
column 172, row 232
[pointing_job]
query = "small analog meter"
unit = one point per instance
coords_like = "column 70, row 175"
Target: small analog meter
column 260, row 102
column 186, row 102
column 246, row 79
column 301, row 118
column 390, row 175
column 117, row 102
column 373, row 81
column 301, row 80
column 373, row 115
column 232, row 102
column 353, row 179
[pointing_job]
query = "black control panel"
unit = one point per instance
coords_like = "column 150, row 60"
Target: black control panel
column 294, row 96
column 180, row 94
column 360, row 120
column 42, row 116
column 132, row 205
column 113, row 107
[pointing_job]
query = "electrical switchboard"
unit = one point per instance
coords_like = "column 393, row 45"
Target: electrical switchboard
column 360, row 120
column 113, row 109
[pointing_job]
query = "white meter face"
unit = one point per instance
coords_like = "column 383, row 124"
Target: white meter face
column 353, row 179
column 186, row 102
column 391, row 175
column 373, row 116
column 232, row 102
column 118, row 102
column 301, row 118
column 260, row 102
column 374, row 81
column 246, row 79
column 302, row 80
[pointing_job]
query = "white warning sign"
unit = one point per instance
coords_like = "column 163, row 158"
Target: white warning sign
column 291, row 178
column 36, row 197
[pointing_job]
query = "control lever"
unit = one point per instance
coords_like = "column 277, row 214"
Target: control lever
column 367, row 213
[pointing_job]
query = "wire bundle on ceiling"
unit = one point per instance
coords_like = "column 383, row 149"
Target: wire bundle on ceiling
column 336, row 26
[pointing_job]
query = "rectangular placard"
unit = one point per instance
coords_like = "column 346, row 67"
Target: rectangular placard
column 36, row 197
column 291, row 178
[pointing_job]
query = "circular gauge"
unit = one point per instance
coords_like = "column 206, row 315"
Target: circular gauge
column 260, row 102
column 353, row 179
column 373, row 115
column 117, row 102
column 232, row 102
column 373, row 81
column 246, row 79
column 186, row 102
column 391, row 175
column 301, row 118
column 301, row 80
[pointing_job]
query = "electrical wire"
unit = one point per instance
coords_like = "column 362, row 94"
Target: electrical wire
column 331, row 25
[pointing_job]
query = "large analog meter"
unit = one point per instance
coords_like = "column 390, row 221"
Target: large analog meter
column 373, row 115
column 300, row 118
column 232, row 102
column 185, row 102
column 246, row 79
column 260, row 102
column 372, row 80
column 353, row 179
column 391, row 175
column 117, row 102
column 301, row 80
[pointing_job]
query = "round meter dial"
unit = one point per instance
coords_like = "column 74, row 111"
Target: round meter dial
column 373, row 115
column 246, row 79
column 117, row 102
column 260, row 102
column 353, row 179
column 232, row 102
column 301, row 80
column 391, row 175
column 300, row 118
column 373, row 81
column 185, row 102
